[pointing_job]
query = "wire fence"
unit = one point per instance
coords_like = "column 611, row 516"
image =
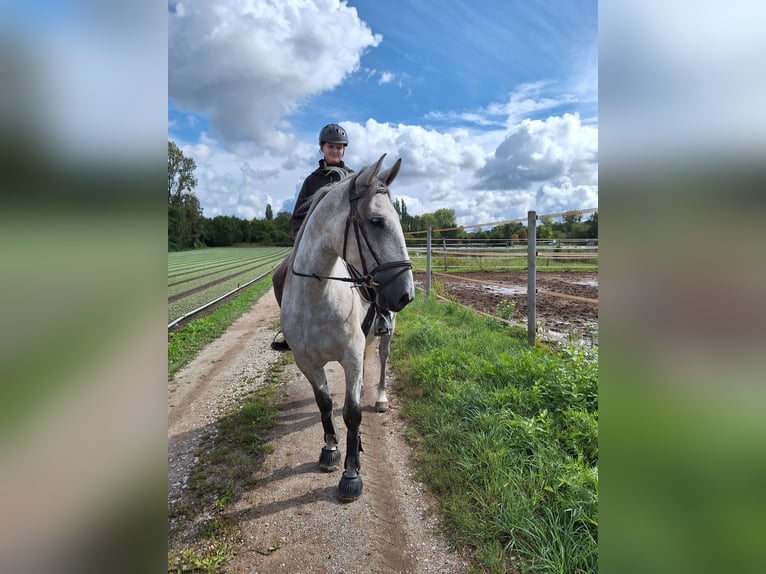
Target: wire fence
column 465, row 255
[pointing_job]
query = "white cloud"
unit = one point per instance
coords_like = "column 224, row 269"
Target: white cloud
column 231, row 185
column 526, row 100
column 425, row 153
column 386, row 78
column 537, row 151
column 548, row 166
column 246, row 65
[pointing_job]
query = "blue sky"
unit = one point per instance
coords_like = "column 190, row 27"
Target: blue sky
column 493, row 107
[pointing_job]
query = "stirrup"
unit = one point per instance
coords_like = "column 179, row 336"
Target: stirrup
column 383, row 325
column 279, row 345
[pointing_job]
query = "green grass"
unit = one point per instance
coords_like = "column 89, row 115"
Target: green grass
column 506, row 436
column 186, row 343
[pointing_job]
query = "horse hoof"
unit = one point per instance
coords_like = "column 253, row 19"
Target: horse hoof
column 329, row 459
column 349, row 489
column 381, row 406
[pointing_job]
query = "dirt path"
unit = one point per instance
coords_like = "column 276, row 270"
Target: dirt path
column 291, row 520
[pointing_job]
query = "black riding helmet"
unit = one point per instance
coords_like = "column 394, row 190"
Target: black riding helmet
column 333, row 133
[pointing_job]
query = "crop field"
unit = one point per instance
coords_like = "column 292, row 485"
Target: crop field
column 198, row 277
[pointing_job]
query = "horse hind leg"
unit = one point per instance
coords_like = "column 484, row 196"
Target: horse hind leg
column 329, row 457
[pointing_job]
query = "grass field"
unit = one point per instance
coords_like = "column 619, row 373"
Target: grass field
column 506, row 436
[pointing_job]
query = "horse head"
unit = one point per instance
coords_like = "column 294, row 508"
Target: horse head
column 379, row 239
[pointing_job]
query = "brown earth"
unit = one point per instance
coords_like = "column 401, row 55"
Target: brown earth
column 557, row 317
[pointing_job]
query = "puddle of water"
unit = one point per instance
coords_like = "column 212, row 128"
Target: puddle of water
column 508, row 290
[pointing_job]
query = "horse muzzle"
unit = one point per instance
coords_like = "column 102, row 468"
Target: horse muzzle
column 394, row 285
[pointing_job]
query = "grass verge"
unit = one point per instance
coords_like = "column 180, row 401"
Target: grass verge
column 202, row 536
column 184, row 344
column 506, row 436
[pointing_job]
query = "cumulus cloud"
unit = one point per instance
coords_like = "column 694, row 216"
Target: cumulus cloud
column 231, row 185
column 538, row 151
column 562, row 195
column 544, row 165
column 248, row 64
column 425, row 153
column 386, row 78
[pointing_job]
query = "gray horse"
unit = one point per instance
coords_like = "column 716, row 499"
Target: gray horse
column 349, row 263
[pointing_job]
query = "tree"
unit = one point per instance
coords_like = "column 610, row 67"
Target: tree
column 185, row 220
column 404, row 217
column 180, row 172
column 592, row 225
column 269, row 212
column 186, row 224
column 222, row 231
column 545, row 231
column 445, row 218
column 282, row 228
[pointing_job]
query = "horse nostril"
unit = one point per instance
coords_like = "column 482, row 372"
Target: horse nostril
column 405, row 299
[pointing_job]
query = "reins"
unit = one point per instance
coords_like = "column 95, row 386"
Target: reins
column 364, row 280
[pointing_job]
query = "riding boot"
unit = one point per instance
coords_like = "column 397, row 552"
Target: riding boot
column 280, row 345
column 383, row 325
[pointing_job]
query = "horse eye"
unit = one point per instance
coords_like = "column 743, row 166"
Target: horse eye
column 376, row 221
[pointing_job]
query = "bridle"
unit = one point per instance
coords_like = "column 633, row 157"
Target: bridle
column 365, row 279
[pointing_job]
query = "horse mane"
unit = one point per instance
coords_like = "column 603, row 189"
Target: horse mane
column 346, row 178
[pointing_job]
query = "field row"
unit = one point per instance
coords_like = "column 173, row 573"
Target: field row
column 191, row 263
column 198, row 277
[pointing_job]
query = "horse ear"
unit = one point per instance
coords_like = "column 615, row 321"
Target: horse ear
column 375, row 169
column 389, row 175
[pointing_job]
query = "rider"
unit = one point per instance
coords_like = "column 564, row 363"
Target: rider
column 332, row 144
column 333, row 141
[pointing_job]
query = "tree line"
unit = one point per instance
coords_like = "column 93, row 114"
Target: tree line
column 188, row 228
column 571, row 227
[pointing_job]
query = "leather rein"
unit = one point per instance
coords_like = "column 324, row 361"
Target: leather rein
column 364, row 280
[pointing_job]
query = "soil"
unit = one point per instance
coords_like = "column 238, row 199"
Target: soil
column 291, row 520
column 557, row 317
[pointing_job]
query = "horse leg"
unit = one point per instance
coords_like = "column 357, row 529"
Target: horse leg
column 329, row 458
column 350, row 486
column 381, row 405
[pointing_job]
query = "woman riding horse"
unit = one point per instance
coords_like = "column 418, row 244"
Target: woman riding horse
column 333, row 141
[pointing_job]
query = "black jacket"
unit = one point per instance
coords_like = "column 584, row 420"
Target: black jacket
column 317, row 179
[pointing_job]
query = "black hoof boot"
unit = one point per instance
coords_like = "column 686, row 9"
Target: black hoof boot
column 349, row 488
column 329, row 459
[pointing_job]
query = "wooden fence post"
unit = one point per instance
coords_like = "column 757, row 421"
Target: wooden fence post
column 531, row 275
